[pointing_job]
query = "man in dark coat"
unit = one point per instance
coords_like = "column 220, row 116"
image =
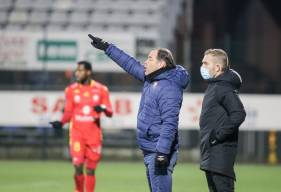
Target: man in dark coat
column 158, row 116
column 222, row 114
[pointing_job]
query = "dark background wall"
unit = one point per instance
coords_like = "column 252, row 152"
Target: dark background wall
column 249, row 31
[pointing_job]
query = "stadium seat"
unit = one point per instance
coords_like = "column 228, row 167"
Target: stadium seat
column 55, row 27
column 100, row 18
column 63, row 5
column 143, row 19
column 34, row 27
column 13, row 27
column 100, row 28
column 74, row 27
column 3, row 18
column 42, row 5
column 59, row 17
column 6, row 5
column 23, row 5
column 79, row 18
column 84, row 5
column 38, row 17
column 18, row 17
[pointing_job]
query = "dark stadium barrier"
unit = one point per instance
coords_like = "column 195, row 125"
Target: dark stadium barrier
column 46, row 143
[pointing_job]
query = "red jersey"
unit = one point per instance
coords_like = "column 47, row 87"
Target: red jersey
column 79, row 106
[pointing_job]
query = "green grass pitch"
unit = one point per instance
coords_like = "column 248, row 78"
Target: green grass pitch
column 56, row 176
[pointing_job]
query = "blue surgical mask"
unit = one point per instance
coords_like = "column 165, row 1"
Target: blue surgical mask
column 205, row 73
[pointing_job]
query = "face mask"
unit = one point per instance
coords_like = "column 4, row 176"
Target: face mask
column 205, row 73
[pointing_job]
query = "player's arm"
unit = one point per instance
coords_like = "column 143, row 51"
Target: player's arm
column 105, row 105
column 106, row 101
column 68, row 107
column 125, row 61
column 67, row 114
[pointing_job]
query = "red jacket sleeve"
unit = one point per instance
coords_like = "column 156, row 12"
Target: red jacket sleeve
column 106, row 101
column 68, row 107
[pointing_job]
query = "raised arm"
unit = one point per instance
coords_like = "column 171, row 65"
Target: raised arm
column 125, row 61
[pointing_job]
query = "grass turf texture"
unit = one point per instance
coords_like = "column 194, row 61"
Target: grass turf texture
column 56, row 176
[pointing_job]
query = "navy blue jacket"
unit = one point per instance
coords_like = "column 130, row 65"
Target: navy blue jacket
column 161, row 100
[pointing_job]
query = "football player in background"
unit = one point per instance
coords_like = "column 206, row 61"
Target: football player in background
column 85, row 101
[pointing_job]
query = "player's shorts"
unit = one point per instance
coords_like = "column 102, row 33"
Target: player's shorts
column 85, row 150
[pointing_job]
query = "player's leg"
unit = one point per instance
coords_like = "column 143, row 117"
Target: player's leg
column 223, row 183
column 79, row 178
column 210, row 181
column 93, row 155
column 147, row 166
column 148, row 177
column 160, row 183
column 165, row 181
column 77, row 150
column 90, row 179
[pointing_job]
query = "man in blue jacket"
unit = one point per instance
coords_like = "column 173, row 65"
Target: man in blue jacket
column 158, row 116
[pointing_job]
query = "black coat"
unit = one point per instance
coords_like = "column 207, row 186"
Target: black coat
column 222, row 114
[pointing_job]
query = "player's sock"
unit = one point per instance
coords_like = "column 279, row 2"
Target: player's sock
column 90, row 183
column 79, row 183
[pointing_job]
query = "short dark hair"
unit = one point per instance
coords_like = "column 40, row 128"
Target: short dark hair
column 166, row 55
column 87, row 65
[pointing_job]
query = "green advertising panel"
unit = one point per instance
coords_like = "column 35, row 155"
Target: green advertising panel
column 57, row 50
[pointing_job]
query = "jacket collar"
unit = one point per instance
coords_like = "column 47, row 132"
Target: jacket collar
column 151, row 77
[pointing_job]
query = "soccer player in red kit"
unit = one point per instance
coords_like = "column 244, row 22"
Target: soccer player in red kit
column 85, row 100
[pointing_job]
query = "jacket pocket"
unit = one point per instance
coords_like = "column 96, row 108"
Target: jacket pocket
column 153, row 132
